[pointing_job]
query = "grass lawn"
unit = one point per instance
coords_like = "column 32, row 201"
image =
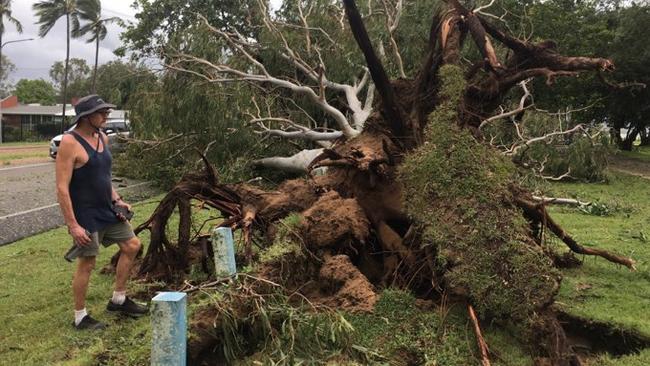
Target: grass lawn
column 25, row 144
column 638, row 152
column 36, row 304
column 598, row 289
column 14, row 153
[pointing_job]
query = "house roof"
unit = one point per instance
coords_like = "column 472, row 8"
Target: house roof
column 53, row 110
column 45, row 110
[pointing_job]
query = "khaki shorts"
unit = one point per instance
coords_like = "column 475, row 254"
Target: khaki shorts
column 116, row 233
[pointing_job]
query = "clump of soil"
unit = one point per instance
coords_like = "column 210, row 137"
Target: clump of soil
column 333, row 221
column 350, row 289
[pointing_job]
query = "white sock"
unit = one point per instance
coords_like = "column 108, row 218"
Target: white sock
column 79, row 315
column 118, row 297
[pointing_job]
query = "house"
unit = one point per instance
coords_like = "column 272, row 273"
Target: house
column 25, row 122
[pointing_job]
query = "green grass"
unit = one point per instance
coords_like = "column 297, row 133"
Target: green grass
column 6, row 159
column 638, row 152
column 36, row 306
column 25, row 144
column 599, row 289
column 400, row 333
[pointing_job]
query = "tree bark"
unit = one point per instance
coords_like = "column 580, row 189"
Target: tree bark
column 95, row 69
column 645, row 136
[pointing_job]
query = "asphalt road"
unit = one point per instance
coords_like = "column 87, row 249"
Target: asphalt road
column 28, row 200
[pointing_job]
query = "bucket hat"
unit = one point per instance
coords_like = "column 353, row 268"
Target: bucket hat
column 89, row 105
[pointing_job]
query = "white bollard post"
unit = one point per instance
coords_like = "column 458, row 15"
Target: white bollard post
column 169, row 323
column 224, row 252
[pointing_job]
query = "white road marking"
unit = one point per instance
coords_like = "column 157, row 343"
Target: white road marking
column 56, row 204
column 27, row 211
column 25, row 166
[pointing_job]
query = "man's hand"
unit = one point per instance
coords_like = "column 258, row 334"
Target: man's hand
column 123, row 204
column 79, row 235
column 120, row 203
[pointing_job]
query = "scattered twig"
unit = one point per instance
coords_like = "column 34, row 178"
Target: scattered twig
column 482, row 346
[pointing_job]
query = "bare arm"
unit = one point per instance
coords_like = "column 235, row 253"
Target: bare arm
column 64, row 166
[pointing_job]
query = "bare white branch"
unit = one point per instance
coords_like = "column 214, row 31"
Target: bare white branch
column 296, row 163
column 393, row 15
column 520, row 108
column 560, row 201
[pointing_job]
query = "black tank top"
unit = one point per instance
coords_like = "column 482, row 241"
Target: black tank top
column 90, row 188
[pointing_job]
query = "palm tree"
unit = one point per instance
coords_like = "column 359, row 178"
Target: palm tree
column 48, row 13
column 91, row 12
column 5, row 12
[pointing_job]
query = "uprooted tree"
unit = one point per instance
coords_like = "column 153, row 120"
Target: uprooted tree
column 412, row 192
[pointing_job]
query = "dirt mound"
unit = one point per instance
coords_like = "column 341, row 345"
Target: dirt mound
column 334, row 222
column 351, row 289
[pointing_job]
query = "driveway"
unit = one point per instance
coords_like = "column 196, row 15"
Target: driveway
column 28, row 199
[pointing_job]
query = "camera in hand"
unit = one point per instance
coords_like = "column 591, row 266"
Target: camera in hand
column 124, row 212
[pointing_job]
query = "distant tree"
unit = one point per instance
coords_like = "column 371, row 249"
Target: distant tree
column 48, row 13
column 609, row 28
column 118, row 81
column 5, row 12
column 35, row 91
column 90, row 11
column 7, row 68
column 78, row 77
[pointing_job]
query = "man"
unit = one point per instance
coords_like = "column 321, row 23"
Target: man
column 92, row 208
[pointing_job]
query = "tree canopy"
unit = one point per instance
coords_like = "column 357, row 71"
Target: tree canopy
column 35, row 91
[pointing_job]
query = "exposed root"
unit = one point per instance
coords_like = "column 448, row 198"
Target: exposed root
column 539, row 214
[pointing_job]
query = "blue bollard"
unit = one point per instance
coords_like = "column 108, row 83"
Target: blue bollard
column 169, row 323
column 224, row 252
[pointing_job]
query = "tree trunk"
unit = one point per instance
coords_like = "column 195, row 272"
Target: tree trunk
column 628, row 142
column 645, row 136
column 95, row 70
column 65, row 75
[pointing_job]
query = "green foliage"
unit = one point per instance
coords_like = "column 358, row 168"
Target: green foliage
column 35, row 91
column 166, row 23
column 119, row 81
column 277, row 331
column 584, row 157
column 78, row 77
column 595, row 208
column 416, row 337
column 596, row 28
column 457, row 189
column 7, row 68
column 199, row 116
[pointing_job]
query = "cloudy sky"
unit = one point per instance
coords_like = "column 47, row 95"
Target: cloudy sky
column 34, row 58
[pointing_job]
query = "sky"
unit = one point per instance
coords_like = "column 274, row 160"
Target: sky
column 33, row 59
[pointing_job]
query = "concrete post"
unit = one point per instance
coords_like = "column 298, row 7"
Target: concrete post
column 224, row 252
column 169, row 323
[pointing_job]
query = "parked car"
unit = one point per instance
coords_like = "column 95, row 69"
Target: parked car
column 114, row 130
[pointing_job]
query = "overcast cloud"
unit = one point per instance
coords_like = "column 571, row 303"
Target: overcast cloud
column 34, row 58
